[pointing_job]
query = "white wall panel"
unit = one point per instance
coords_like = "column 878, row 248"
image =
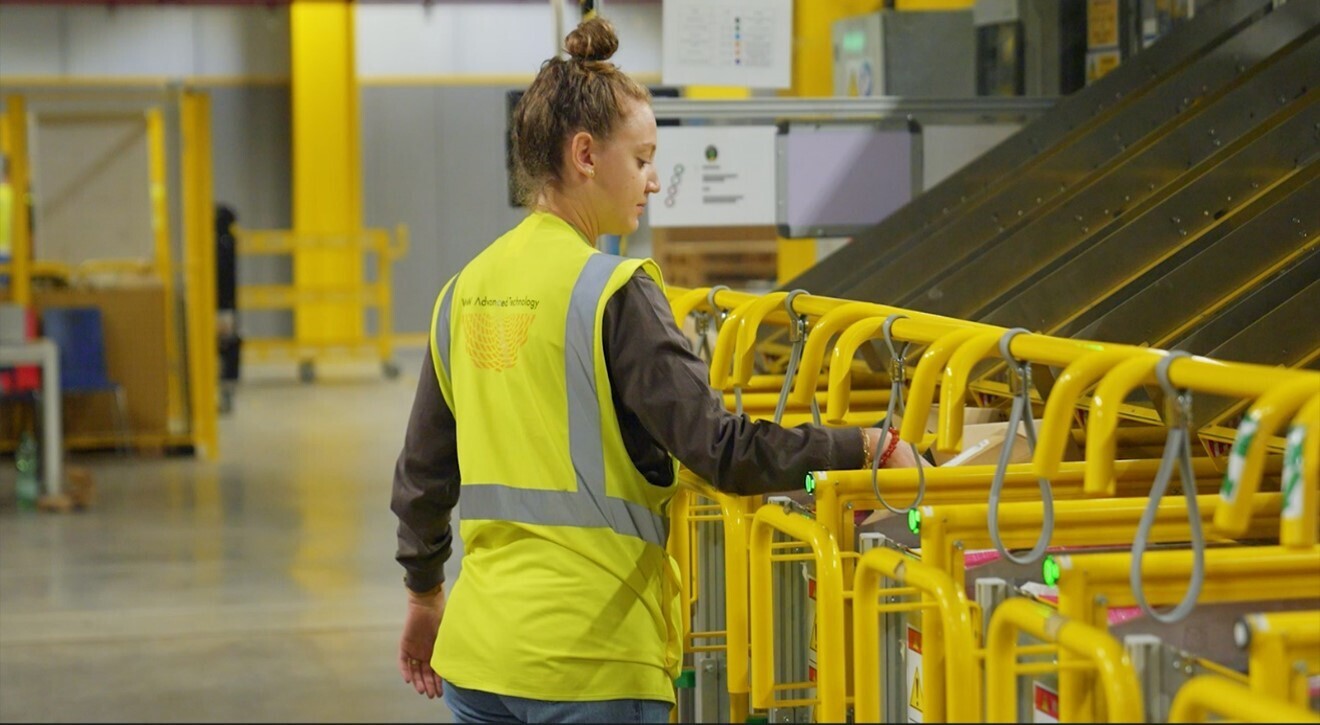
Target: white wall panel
column 241, row 41
column 30, row 42
column 402, row 40
column 129, row 41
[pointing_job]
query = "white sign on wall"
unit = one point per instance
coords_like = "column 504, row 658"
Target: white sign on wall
column 714, row 176
column 727, row 43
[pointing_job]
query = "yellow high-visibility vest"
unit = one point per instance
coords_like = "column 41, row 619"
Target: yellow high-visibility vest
column 566, row 590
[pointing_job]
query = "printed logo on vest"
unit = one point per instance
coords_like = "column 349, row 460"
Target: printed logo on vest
column 495, row 332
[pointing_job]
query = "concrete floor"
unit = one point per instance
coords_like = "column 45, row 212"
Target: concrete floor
column 259, row 587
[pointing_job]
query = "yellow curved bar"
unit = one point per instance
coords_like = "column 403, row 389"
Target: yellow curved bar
column 960, row 667
column 921, row 394
column 1118, row 680
column 840, row 385
column 1300, row 519
column 749, row 323
column 1216, row 695
column 686, row 302
column 831, row 686
column 1277, row 643
column 953, row 388
column 1052, row 437
column 818, row 339
column 1102, row 425
column 722, row 356
column 1261, row 421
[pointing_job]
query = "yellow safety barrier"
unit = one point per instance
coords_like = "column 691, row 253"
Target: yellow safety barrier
column 1283, row 651
column 304, row 347
column 831, row 683
column 1193, row 373
column 1209, row 695
column 734, row 515
column 1301, row 481
column 1263, row 418
column 948, row 598
column 1092, row 645
column 1089, row 584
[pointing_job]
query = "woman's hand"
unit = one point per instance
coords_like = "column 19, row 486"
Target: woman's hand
column 417, row 644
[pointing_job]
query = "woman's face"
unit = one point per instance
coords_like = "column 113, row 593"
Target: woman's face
column 625, row 170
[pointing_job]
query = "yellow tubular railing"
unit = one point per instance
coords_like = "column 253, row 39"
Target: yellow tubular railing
column 1209, row 695
column 1089, row 584
column 1118, row 681
column 1262, row 419
column 938, row 334
column 1301, row 505
column 1283, row 651
column 831, row 684
column 1194, row 373
column 921, row 395
column 735, row 515
column 1068, row 388
column 1031, row 348
column 956, row 660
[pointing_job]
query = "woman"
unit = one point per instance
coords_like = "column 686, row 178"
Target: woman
column 561, row 387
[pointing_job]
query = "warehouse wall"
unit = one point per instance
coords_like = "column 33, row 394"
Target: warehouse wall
column 433, row 79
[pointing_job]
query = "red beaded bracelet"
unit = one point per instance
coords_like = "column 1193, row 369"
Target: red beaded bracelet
column 889, row 449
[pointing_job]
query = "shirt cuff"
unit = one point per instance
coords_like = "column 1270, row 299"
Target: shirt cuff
column 846, row 451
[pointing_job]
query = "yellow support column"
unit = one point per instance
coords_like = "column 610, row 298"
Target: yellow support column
column 160, row 226
column 327, row 190
column 199, row 272
column 20, row 262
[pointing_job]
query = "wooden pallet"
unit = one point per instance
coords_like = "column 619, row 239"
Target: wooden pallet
column 706, row 256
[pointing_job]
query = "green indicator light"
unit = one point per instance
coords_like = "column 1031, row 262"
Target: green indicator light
column 914, row 521
column 1050, row 569
column 686, row 680
column 811, row 484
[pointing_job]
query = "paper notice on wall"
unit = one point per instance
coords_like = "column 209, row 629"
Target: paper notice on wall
column 727, row 43
column 714, row 176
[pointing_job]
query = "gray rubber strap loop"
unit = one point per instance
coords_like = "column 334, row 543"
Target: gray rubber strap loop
column 798, row 335
column 1177, row 451
column 898, row 376
column 1021, row 407
column 702, row 324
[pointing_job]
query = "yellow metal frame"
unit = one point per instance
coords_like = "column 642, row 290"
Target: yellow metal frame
column 831, row 676
column 1089, row 584
column 1283, row 651
column 191, row 416
column 1208, row 695
column 356, row 294
column 957, row 660
column 1093, row 647
column 734, row 516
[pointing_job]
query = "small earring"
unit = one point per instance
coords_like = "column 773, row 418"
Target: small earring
column 591, row 173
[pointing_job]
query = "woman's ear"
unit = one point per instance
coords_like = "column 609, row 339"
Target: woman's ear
column 582, row 154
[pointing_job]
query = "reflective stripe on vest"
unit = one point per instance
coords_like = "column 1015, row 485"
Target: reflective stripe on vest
column 589, row 506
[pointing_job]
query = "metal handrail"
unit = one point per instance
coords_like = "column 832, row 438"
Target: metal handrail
column 1118, row 680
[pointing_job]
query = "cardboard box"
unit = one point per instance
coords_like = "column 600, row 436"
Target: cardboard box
column 982, row 443
column 133, row 318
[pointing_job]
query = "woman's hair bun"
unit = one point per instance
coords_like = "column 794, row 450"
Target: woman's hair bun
column 594, row 39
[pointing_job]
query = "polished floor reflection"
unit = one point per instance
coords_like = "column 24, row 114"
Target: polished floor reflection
column 259, row 587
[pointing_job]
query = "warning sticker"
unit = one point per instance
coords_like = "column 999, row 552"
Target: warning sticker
column 811, row 624
column 916, row 694
column 1044, row 704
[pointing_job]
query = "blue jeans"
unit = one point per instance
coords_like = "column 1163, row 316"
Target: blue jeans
column 478, row 706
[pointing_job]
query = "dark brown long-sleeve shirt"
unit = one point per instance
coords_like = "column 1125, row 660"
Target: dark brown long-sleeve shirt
column 665, row 405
